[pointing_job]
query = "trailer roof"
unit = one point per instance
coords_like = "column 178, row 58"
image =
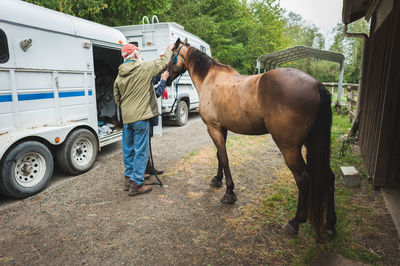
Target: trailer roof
column 152, row 25
column 25, row 14
column 155, row 26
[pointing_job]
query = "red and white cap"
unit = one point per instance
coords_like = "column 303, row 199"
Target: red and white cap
column 127, row 49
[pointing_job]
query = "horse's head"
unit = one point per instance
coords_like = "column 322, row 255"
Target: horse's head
column 177, row 64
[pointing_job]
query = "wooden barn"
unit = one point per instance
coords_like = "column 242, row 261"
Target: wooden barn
column 379, row 106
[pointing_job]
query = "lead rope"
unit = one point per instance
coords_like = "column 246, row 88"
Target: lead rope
column 176, row 97
column 154, row 169
column 172, row 108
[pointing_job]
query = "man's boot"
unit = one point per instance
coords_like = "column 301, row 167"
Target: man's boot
column 127, row 182
column 136, row 190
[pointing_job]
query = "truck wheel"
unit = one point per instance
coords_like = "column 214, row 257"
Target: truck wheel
column 181, row 113
column 78, row 152
column 26, row 170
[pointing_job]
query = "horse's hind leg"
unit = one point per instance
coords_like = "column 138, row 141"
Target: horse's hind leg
column 217, row 180
column 295, row 162
column 218, row 136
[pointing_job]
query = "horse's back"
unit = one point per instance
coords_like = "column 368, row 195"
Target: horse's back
column 290, row 101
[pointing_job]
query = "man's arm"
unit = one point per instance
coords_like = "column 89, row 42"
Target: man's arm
column 159, row 64
column 156, row 79
column 161, row 87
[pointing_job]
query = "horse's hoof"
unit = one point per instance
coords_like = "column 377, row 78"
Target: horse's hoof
column 215, row 182
column 331, row 232
column 289, row 229
column 229, row 198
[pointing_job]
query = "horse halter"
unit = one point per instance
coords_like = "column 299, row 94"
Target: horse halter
column 175, row 60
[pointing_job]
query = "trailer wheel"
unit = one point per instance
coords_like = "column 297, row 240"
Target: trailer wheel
column 26, row 170
column 78, row 152
column 181, row 113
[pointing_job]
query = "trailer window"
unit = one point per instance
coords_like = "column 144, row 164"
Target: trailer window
column 3, row 47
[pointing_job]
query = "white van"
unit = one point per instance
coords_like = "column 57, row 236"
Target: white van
column 56, row 94
column 153, row 38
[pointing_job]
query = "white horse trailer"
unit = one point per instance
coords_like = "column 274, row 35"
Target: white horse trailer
column 153, row 38
column 56, row 94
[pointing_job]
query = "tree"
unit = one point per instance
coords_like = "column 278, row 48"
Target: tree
column 301, row 33
column 351, row 48
column 237, row 31
column 108, row 12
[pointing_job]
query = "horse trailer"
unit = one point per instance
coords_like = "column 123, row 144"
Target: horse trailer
column 152, row 39
column 56, row 94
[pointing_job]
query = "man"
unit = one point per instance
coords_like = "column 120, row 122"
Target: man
column 137, row 99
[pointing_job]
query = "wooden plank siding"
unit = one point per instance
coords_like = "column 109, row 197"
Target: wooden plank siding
column 379, row 135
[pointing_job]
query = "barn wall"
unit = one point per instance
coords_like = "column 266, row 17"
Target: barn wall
column 381, row 98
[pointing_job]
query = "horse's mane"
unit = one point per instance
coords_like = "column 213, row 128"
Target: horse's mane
column 202, row 62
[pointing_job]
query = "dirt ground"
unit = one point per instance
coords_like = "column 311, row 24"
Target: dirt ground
column 91, row 220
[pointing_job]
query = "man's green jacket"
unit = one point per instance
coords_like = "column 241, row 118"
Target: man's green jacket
column 134, row 91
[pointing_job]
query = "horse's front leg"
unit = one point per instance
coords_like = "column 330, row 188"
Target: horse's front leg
column 219, row 137
column 217, row 180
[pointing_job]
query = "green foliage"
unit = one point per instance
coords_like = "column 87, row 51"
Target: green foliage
column 238, row 31
column 108, row 12
column 84, row 9
column 351, row 48
column 301, row 33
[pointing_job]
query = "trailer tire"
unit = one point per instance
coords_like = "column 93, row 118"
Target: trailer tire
column 26, row 170
column 181, row 113
column 78, row 152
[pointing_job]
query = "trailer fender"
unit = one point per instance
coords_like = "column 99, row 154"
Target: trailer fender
column 53, row 135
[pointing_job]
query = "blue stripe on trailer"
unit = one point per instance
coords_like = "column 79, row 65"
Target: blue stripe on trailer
column 35, row 96
column 65, row 94
column 5, row 98
column 40, row 96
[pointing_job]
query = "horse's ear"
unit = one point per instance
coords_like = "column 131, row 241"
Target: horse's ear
column 178, row 41
column 185, row 41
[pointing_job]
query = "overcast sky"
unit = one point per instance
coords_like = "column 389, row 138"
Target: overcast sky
column 325, row 14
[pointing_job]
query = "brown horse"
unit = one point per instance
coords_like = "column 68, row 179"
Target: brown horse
column 292, row 106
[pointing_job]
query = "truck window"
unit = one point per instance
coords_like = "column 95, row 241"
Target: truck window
column 3, row 47
column 202, row 48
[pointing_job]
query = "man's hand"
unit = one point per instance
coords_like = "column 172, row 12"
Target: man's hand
column 165, row 75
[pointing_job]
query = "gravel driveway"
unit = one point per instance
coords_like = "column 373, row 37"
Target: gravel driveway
column 89, row 219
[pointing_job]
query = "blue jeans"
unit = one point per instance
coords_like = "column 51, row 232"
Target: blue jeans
column 135, row 148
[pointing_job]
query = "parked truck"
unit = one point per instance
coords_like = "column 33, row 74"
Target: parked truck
column 152, row 38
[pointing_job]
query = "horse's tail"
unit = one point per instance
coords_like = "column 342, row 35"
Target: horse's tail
column 318, row 161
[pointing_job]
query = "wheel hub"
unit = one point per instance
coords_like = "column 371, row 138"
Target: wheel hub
column 26, row 169
column 81, row 152
column 29, row 170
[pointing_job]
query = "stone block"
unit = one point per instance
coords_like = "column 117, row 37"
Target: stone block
column 350, row 176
